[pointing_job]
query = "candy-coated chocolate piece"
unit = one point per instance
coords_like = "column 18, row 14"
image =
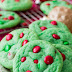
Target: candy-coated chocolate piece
column 48, row 59
column 36, row 49
column 43, row 28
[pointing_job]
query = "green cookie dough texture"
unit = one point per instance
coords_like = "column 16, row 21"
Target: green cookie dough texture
column 35, row 26
column 8, row 19
column 46, row 49
column 57, row 36
column 16, row 5
column 6, row 54
column 47, row 6
column 67, row 64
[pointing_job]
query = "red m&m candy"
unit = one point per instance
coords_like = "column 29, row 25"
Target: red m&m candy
column 23, row 59
column 17, row 0
column 43, row 28
column 36, row 49
column 0, row 14
column 53, row 22
column 48, row 4
column 5, row 18
column 28, row 71
column 24, row 42
column 21, row 35
column 2, row 1
column 56, row 36
column 48, row 59
column 9, row 37
column 24, row 24
column 11, row 18
column 36, row 61
column 63, row 56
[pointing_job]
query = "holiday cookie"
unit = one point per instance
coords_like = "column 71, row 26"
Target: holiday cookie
column 37, row 56
column 47, row 6
column 66, row 53
column 41, row 25
column 2, row 69
column 16, row 5
column 57, row 36
column 6, row 54
column 62, row 14
column 8, row 19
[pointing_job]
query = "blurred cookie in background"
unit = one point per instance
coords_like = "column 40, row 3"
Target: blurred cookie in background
column 62, row 14
column 47, row 6
column 16, row 5
column 9, row 19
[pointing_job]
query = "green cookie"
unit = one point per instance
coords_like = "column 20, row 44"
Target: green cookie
column 66, row 52
column 16, row 5
column 6, row 54
column 8, row 19
column 57, row 36
column 41, row 25
column 47, row 6
column 37, row 56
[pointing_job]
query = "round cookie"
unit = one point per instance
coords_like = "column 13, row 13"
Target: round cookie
column 37, row 56
column 47, row 6
column 63, row 15
column 41, row 25
column 2, row 69
column 8, row 19
column 16, row 5
column 57, row 36
column 66, row 53
column 24, row 35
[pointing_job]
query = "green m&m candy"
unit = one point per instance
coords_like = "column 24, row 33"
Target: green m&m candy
column 7, row 48
column 66, row 43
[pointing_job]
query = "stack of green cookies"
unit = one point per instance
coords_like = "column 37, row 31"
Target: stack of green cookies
column 45, row 47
